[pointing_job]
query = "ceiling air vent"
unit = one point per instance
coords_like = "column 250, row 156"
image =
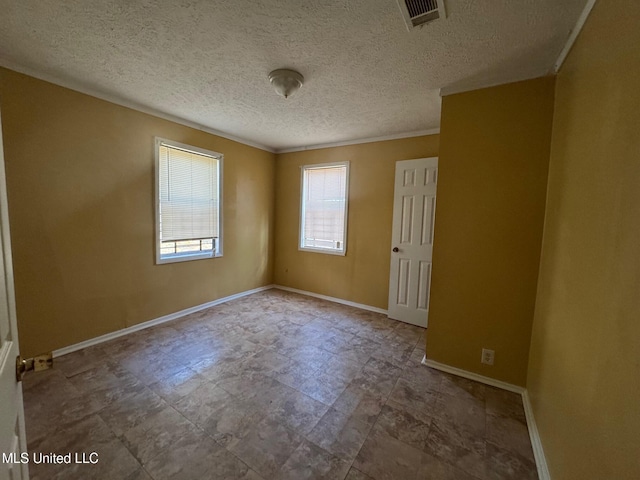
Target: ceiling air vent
column 419, row 12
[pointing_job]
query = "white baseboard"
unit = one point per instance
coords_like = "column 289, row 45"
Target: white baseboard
column 333, row 299
column 472, row 376
column 536, row 443
column 172, row 316
column 156, row 321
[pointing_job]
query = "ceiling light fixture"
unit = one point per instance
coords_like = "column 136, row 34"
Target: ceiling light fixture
column 286, row 82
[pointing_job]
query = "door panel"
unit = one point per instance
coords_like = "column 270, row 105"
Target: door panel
column 407, row 220
column 424, row 280
column 428, row 215
column 403, row 282
column 412, row 235
column 12, row 431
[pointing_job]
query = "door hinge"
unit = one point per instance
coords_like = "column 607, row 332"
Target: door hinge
column 35, row 364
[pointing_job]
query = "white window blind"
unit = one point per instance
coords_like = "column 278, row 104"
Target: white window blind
column 324, row 208
column 188, row 203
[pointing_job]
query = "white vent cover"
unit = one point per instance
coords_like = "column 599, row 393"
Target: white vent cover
column 416, row 13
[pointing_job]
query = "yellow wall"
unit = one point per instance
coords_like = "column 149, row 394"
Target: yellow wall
column 494, row 155
column 80, row 185
column 362, row 275
column 584, row 371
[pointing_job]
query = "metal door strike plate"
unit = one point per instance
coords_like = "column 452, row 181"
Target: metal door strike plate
column 36, row 364
column 42, row 362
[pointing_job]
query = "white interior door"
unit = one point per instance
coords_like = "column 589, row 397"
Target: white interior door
column 12, row 432
column 414, row 208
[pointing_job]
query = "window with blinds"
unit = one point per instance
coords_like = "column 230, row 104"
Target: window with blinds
column 323, row 218
column 188, row 202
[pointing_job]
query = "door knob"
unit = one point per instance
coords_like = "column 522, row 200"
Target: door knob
column 396, row 249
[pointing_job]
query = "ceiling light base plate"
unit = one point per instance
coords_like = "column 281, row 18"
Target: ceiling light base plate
column 285, row 81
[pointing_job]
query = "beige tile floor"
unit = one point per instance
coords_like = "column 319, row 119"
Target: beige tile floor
column 272, row 386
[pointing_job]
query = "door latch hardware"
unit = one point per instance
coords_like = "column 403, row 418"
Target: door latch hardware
column 36, row 364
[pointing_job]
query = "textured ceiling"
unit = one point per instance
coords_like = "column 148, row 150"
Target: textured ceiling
column 207, row 61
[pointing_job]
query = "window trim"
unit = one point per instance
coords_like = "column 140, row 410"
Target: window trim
column 191, row 148
column 302, row 248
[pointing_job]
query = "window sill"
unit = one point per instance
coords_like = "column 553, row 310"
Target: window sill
column 186, row 258
column 340, row 253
